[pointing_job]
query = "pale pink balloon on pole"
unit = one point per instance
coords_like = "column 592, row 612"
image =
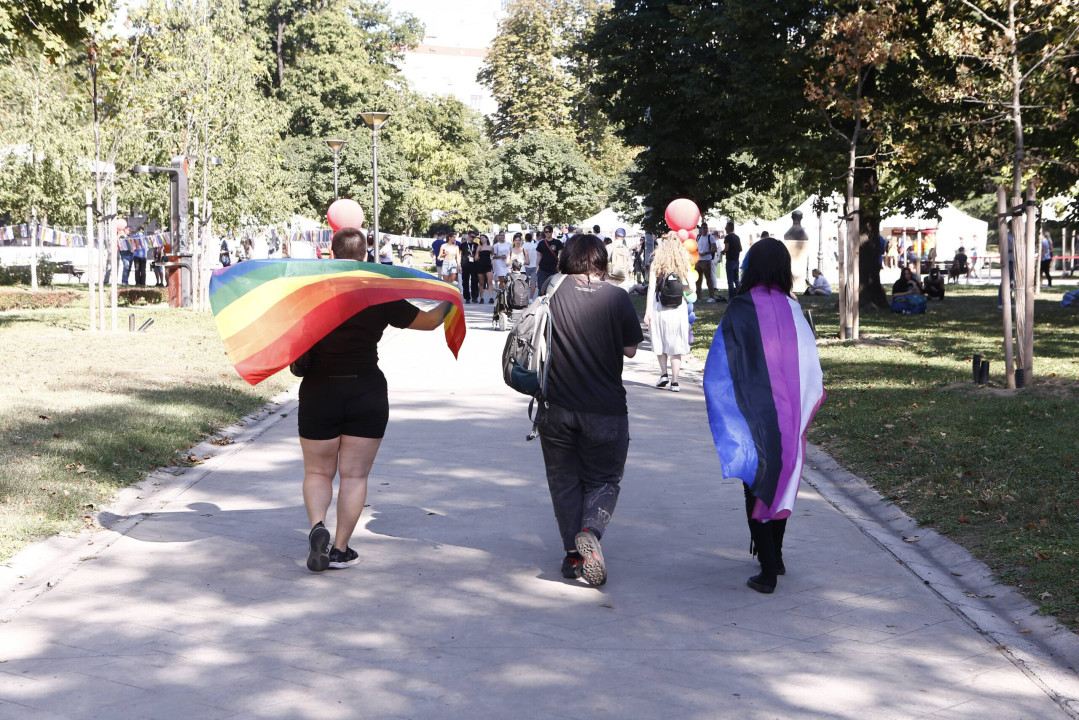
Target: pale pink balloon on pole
column 344, row 213
column 682, row 214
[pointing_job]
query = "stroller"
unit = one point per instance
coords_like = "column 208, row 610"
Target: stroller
column 512, row 299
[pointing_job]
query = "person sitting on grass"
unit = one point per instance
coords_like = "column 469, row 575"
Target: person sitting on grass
column 907, row 295
column 934, row 284
column 820, row 284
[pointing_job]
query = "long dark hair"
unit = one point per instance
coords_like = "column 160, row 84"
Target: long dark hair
column 583, row 254
column 768, row 263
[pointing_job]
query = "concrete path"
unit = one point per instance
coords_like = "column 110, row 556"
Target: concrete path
column 196, row 602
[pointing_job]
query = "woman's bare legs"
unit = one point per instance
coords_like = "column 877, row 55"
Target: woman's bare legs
column 322, row 459
column 662, row 363
column 676, row 364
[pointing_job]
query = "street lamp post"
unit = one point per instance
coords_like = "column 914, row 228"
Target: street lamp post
column 375, row 120
column 335, row 146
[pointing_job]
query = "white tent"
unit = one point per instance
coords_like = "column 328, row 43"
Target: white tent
column 954, row 229
column 609, row 221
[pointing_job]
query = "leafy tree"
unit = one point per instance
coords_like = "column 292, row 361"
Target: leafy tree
column 540, row 178
column 51, row 26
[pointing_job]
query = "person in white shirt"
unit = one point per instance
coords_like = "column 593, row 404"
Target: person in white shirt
column 820, row 285
column 500, row 255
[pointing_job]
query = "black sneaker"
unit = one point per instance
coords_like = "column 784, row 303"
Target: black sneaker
column 593, row 568
column 571, row 566
column 663, row 380
column 341, row 559
column 758, row 583
column 318, row 559
column 491, row 301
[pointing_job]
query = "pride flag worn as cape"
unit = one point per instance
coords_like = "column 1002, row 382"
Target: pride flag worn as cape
column 763, row 384
column 269, row 312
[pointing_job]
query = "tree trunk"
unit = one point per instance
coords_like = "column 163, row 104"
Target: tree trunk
column 1005, row 287
column 279, row 46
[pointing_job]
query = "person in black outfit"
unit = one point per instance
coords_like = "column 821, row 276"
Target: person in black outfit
column 547, row 250
column 732, row 248
column 344, row 410
column 470, row 286
column 585, row 427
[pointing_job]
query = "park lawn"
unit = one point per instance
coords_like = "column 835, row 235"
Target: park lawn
column 995, row 470
column 85, row 414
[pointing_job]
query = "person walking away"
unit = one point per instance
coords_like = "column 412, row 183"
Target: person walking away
column 706, row 270
column 584, row 431
column 530, row 266
column 385, row 251
column 547, row 250
column 620, row 265
column 469, row 279
column 762, row 386
column 1047, row 257
column 138, row 256
column 344, row 410
column 820, row 285
column 665, row 308
column 732, row 248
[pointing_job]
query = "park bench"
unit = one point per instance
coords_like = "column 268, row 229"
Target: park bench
column 67, row 267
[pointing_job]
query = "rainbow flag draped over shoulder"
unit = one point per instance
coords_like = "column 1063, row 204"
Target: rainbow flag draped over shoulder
column 269, row 312
column 763, row 384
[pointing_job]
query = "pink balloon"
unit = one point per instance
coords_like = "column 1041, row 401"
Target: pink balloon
column 344, row 213
column 683, row 234
column 682, row 214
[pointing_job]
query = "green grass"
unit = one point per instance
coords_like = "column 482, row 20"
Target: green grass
column 993, row 469
column 84, row 414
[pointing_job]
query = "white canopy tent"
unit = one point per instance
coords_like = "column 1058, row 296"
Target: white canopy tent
column 609, row 221
column 955, row 229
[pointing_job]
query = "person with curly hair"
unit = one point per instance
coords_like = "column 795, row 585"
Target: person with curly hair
column 665, row 313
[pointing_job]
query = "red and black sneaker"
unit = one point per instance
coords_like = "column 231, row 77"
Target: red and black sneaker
column 571, row 566
column 593, row 567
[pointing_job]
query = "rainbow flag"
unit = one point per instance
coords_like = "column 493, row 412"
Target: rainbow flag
column 763, row 384
column 269, row 312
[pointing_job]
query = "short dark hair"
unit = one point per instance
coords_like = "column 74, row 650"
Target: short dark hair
column 528, row 237
column 349, row 244
column 583, row 254
column 548, row 228
column 595, row 229
column 730, row 227
column 768, row 263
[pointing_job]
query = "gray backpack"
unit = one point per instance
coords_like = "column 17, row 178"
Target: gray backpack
column 527, row 352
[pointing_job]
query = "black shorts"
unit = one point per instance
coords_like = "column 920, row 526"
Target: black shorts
column 335, row 406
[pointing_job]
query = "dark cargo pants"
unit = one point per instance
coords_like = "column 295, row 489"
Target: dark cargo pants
column 585, row 455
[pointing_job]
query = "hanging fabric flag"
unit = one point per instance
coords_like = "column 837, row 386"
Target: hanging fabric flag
column 269, row 312
column 762, row 385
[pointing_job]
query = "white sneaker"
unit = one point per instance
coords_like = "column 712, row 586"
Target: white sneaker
column 711, row 300
column 663, row 380
column 674, row 387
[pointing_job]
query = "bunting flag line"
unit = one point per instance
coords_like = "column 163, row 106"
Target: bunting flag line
column 762, row 385
column 269, row 312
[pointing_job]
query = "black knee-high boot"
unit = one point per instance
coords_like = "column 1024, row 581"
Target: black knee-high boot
column 763, row 546
column 779, row 527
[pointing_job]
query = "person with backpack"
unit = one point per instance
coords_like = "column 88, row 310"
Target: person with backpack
column 547, row 249
column 584, row 431
column 665, row 312
column 620, row 267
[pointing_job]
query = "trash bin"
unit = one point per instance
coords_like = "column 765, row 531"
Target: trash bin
column 173, row 274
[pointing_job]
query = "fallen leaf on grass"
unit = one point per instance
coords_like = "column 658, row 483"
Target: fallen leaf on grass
column 1041, row 556
column 1046, row 595
column 964, row 519
column 1003, row 520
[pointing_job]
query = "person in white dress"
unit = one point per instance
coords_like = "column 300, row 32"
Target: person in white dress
column 668, row 323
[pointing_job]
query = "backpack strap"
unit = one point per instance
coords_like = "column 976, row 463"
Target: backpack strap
column 538, row 405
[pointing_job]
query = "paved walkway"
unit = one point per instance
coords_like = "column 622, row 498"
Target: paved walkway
column 196, row 602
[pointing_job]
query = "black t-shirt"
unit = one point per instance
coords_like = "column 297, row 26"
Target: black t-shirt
column 734, row 246
column 902, row 285
column 468, row 251
column 593, row 322
column 352, row 348
column 547, row 252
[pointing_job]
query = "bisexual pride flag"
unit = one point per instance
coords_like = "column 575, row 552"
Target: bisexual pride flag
column 269, row 312
column 762, row 385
